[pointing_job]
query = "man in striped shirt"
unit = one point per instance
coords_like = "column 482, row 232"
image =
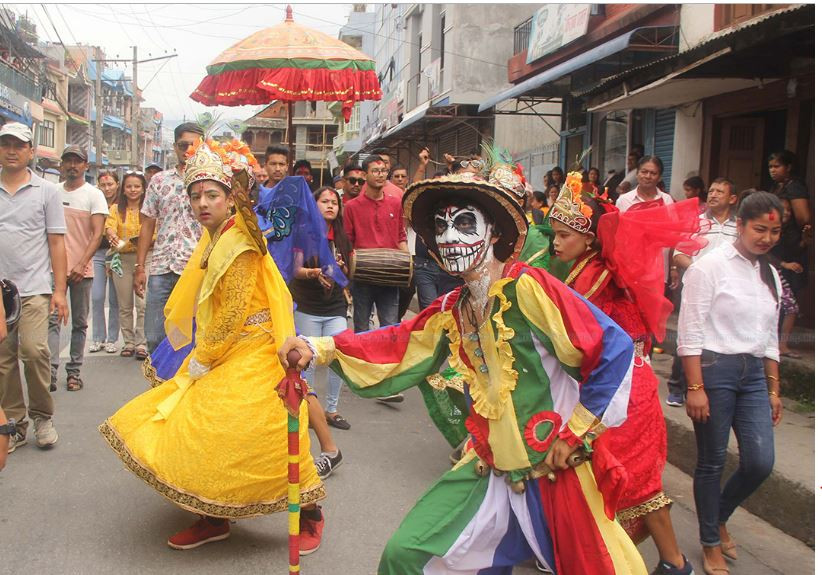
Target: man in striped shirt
column 718, row 226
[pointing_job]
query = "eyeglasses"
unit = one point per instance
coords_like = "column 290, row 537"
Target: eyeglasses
column 356, row 181
column 183, row 146
column 476, row 164
column 378, row 171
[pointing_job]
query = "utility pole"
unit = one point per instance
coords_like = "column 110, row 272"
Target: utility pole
column 98, row 117
column 135, row 115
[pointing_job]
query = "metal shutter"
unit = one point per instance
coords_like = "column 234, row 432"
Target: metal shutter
column 664, row 122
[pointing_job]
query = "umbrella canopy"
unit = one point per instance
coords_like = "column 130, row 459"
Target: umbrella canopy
column 291, row 63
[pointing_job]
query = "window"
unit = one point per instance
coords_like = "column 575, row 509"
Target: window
column 315, row 136
column 46, row 134
column 732, row 14
column 613, row 142
column 419, row 58
column 276, row 137
column 442, row 41
column 248, row 137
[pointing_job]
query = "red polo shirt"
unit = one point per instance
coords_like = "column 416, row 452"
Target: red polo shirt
column 374, row 223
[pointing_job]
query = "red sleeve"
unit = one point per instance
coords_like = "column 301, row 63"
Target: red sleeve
column 403, row 236
column 348, row 223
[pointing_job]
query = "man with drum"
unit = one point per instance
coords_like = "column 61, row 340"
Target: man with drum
column 374, row 220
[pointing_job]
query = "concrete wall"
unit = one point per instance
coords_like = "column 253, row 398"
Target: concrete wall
column 696, row 21
column 687, row 146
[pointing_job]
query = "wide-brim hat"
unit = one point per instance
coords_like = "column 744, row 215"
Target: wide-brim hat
column 502, row 205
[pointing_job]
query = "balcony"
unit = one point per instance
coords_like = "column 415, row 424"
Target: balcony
column 521, row 34
column 19, row 82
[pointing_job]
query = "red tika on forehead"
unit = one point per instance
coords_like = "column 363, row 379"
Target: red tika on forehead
column 772, row 216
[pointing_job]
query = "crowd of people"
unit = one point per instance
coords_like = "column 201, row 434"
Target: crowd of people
column 538, row 310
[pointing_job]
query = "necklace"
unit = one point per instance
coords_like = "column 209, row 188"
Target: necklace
column 211, row 244
column 578, row 269
column 474, row 336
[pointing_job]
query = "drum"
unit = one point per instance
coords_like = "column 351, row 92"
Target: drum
column 382, row 266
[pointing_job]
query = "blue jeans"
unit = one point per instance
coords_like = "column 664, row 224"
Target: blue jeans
column 101, row 286
column 386, row 298
column 432, row 281
column 315, row 325
column 158, row 289
column 738, row 398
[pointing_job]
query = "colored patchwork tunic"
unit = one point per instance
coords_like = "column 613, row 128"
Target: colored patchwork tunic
column 545, row 365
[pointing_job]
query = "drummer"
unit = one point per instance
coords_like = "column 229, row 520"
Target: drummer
column 374, row 220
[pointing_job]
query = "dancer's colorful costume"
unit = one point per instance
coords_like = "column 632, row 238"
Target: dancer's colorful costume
column 216, row 444
column 547, row 366
column 625, row 279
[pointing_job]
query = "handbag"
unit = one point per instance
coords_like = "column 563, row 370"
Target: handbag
column 11, row 302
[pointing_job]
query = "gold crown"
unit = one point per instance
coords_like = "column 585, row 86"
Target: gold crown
column 506, row 176
column 206, row 164
column 569, row 208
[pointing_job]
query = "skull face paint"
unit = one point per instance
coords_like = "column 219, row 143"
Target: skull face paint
column 463, row 236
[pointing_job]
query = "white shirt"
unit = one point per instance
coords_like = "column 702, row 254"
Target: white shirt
column 631, row 198
column 715, row 232
column 727, row 308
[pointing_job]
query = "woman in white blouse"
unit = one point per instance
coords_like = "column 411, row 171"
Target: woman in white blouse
column 729, row 347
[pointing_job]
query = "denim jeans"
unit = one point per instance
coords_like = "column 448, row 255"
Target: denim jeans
column 738, row 398
column 676, row 383
column 386, row 298
column 432, row 281
column 315, row 325
column 158, row 289
column 102, row 286
column 79, row 299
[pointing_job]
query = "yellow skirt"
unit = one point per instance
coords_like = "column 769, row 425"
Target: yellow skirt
column 222, row 449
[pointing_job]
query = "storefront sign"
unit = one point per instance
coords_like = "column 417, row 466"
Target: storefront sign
column 17, row 106
column 554, row 26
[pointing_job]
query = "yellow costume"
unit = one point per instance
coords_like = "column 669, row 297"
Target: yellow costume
column 217, row 445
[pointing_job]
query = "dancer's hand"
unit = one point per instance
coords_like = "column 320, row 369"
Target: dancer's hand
column 306, row 355
column 558, row 455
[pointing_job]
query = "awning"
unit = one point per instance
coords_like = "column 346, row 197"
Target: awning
column 9, row 115
column 593, row 55
column 46, row 153
column 749, row 55
column 409, row 118
column 116, row 122
column 75, row 119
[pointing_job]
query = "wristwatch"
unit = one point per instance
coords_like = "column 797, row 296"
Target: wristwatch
column 9, row 428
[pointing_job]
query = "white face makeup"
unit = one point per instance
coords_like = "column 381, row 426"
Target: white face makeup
column 463, row 236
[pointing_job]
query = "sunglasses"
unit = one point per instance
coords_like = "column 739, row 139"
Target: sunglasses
column 183, row 146
column 133, row 173
column 356, row 181
column 476, row 164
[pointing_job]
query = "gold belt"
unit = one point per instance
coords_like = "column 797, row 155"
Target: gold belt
column 258, row 317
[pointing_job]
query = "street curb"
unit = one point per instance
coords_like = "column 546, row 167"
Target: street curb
column 780, row 501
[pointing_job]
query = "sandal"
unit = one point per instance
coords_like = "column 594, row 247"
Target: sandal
column 127, row 352
column 337, row 420
column 729, row 549
column 74, row 383
column 710, row 570
column 140, row 353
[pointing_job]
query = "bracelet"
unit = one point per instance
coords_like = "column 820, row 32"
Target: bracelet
column 773, row 393
column 696, row 387
column 773, row 377
column 138, row 265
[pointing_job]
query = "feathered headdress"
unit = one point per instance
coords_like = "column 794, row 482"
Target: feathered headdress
column 503, row 171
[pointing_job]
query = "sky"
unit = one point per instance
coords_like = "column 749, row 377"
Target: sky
column 196, row 32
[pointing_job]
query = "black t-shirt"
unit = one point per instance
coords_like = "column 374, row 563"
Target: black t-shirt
column 312, row 298
column 789, row 249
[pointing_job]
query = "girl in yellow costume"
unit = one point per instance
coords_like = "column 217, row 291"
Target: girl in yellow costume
column 213, row 438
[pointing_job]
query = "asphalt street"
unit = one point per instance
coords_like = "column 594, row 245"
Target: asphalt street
column 75, row 509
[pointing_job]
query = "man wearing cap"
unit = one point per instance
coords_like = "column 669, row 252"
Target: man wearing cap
column 32, row 226
column 152, row 170
column 167, row 211
column 85, row 210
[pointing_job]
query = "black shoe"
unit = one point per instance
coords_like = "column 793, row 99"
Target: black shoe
column 665, row 568
column 396, row 398
column 337, row 420
column 325, row 464
column 52, row 387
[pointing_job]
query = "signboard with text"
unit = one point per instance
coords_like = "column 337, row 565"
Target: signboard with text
column 555, row 25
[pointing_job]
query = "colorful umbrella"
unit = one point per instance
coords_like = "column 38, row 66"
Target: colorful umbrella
column 291, row 63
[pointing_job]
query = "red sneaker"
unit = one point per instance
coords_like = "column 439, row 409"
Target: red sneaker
column 202, row 532
column 311, row 533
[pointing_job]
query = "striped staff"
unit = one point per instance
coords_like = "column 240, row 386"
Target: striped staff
column 292, row 390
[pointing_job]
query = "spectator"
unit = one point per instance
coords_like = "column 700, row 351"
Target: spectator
column 152, row 170
column 539, row 206
column 390, row 188
column 85, row 210
column 123, row 230
column 557, row 176
column 694, row 187
column 321, row 303
column 612, row 183
column 102, row 286
column 788, row 309
column 730, row 352
column 353, row 180
column 552, row 194
column 424, row 157
column 649, row 174
column 167, row 210
column 631, row 168
column 591, row 182
column 276, row 165
column 374, row 220
column 303, row 168
column 338, row 184
column 25, row 197
column 718, row 226
column 473, row 163
column 399, row 176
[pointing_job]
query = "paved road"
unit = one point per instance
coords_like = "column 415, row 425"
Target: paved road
column 75, row 509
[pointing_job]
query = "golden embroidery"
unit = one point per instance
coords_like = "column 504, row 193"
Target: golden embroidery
column 578, row 269
column 258, row 318
column 230, row 314
column 151, row 374
column 654, row 504
column 196, row 504
column 596, row 285
column 210, row 246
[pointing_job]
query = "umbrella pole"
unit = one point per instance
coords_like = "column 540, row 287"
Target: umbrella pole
column 292, row 157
